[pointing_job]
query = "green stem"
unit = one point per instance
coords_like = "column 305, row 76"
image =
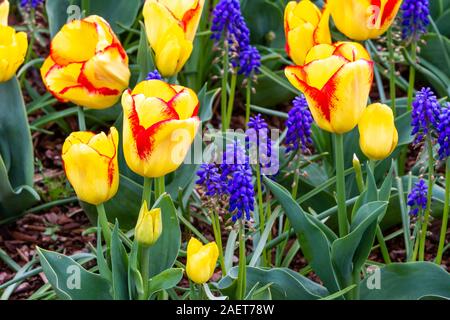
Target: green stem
column 241, row 286
column 218, row 237
column 262, row 218
column 231, row 98
column 426, row 221
column 356, row 281
column 145, row 270
column 392, row 71
column 104, row 224
column 160, row 187
column 445, row 215
column 412, row 76
column 223, row 103
column 81, row 119
column 147, row 191
column 383, row 247
column 248, row 101
column 85, row 7
column 340, row 185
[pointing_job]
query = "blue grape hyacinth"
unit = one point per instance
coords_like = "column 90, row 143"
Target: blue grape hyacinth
column 417, row 199
column 425, row 114
column 415, row 18
column 210, row 179
column 299, row 125
column 444, row 133
column 30, row 3
column 154, row 75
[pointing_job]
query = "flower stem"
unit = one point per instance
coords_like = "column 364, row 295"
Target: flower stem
column 426, row 221
column 85, row 7
column 231, row 99
column 392, row 71
column 262, row 218
column 340, row 185
column 104, row 224
column 248, row 101
column 160, row 187
column 224, row 91
column 81, row 119
column 218, row 237
column 145, row 270
column 147, row 192
column 242, row 281
column 412, row 76
column 445, row 215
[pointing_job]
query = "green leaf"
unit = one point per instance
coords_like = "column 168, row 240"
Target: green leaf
column 119, row 262
column 285, row 284
column 123, row 12
column 144, row 56
column 165, row 280
column 165, row 251
column 70, row 280
column 206, row 99
column 350, row 252
column 16, row 154
column 407, row 281
column 315, row 238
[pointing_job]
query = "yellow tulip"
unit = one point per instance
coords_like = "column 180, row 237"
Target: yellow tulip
column 363, row 19
column 171, row 26
column 87, row 64
column 336, row 81
column 378, row 135
column 305, row 26
column 13, row 46
column 91, row 165
column 149, row 226
column 201, row 261
column 160, row 123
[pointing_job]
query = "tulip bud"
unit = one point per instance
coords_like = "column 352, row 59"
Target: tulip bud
column 149, row 226
column 87, row 64
column 378, row 135
column 336, row 81
column 201, row 261
column 91, row 165
column 13, row 46
column 363, row 19
column 305, row 26
column 171, row 26
column 358, row 173
column 160, row 123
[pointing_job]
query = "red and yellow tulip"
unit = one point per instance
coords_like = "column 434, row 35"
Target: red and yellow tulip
column 201, row 261
column 171, row 26
column 305, row 26
column 378, row 134
column 160, row 123
column 13, row 46
column 87, row 64
column 336, row 81
column 91, row 165
column 363, row 19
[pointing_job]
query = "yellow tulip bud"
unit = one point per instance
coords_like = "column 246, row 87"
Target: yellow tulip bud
column 363, row 19
column 87, row 64
column 378, row 135
column 171, row 26
column 13, row 46
column 305, row 26
column 201, row 261
column 91, row 165
column 149, row 226
column 160, row 123
column 336, row 81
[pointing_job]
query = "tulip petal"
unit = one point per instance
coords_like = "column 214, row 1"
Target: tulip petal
column 155, row 88
column 322, row 33
column 321, row 51
column 106, row 37
column 352, row 51
column 185, row 103
column 319, row 72
column 306, row 11
column 158, row 19
column 4, row 12
column 66, row 48
column 300, row 40
column 150, row 111
column 194, row 246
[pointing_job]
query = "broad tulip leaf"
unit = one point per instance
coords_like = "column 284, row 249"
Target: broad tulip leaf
column 406, row 281
column 315, row 238
column 165, row 251
column 284, row 284
column 70, row 280
column 122, row 12
column 350, row 252
column 165, row 280
column 16, row 154
column 119, row 262
column 144, row 56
